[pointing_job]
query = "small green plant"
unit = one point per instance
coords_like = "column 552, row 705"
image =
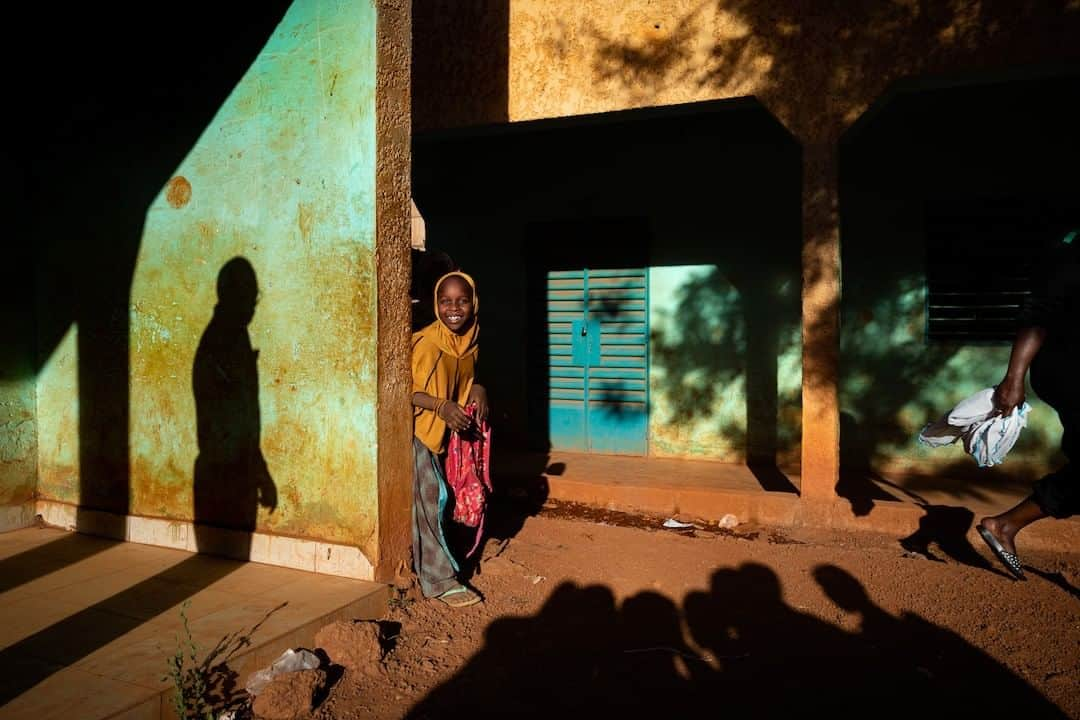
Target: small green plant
column 206, row 687
column 191, row 684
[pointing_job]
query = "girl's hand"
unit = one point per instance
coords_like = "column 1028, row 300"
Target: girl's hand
column 456, row 418
column 1008, row 395
column 478, row 397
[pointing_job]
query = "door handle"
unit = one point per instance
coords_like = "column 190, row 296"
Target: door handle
column 584, row 329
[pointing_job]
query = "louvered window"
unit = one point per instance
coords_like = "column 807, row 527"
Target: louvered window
column 978, row 266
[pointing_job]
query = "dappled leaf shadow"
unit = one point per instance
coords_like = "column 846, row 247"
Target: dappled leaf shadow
column 825, row 73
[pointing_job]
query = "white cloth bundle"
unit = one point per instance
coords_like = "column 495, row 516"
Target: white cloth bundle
column 987, row 436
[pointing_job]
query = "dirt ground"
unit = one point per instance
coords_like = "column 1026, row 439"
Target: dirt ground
column 589, row 612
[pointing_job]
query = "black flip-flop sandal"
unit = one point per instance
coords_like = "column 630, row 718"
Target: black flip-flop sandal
column 1010, row 561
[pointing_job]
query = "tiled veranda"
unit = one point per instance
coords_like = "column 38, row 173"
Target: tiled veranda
column 88, row 623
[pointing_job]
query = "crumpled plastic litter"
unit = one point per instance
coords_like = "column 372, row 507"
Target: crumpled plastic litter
column 728, row 521
column 680, row 525
column 289, row 661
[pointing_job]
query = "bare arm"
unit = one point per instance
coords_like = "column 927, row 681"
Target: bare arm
column 1010, row 391
column 424, row 401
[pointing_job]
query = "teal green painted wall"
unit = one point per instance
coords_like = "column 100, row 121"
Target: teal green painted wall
column 58, row 433
column 917, row 152
column 708, row 396
column 283, row 177
column 894, row 382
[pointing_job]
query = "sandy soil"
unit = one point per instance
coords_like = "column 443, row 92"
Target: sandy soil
column 589, row 613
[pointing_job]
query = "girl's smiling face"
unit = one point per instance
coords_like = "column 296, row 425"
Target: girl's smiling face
column 455, row 303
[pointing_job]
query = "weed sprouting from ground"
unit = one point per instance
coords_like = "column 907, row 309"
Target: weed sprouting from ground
column 204, row 688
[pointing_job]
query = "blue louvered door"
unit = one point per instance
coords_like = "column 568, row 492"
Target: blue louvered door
column 597, row 322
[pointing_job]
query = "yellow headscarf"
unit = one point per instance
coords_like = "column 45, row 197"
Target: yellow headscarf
column 443, row 366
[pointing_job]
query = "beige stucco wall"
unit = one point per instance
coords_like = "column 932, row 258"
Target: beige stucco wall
column 818, row 68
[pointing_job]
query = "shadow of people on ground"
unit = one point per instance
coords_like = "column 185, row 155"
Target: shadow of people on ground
column 735, row 649
column 942, row 669
column 231, row 476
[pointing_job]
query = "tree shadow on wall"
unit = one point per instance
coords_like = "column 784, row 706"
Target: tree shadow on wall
column 925, row 204
column 231, row 476
column 744, row 651
column 727, row 330
column 791, row 58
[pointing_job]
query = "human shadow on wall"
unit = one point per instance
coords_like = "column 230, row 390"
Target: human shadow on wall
column 90, row 163
column 231, row 481
column 231, row 476
column 744, row 651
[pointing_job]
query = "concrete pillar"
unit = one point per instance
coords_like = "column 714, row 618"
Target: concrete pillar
column 392, row 268
column 820, row 322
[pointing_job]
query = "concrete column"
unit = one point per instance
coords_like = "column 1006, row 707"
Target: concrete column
column 820, row 322
column 392, row 268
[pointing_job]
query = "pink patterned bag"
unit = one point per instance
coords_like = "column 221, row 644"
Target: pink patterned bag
column 467, row 461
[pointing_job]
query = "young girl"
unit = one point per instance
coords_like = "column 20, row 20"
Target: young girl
column 444, row 372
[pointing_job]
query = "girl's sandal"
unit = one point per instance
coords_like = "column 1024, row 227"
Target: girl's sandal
column 459, row 597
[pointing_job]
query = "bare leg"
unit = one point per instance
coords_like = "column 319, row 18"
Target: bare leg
column 1005, row 526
